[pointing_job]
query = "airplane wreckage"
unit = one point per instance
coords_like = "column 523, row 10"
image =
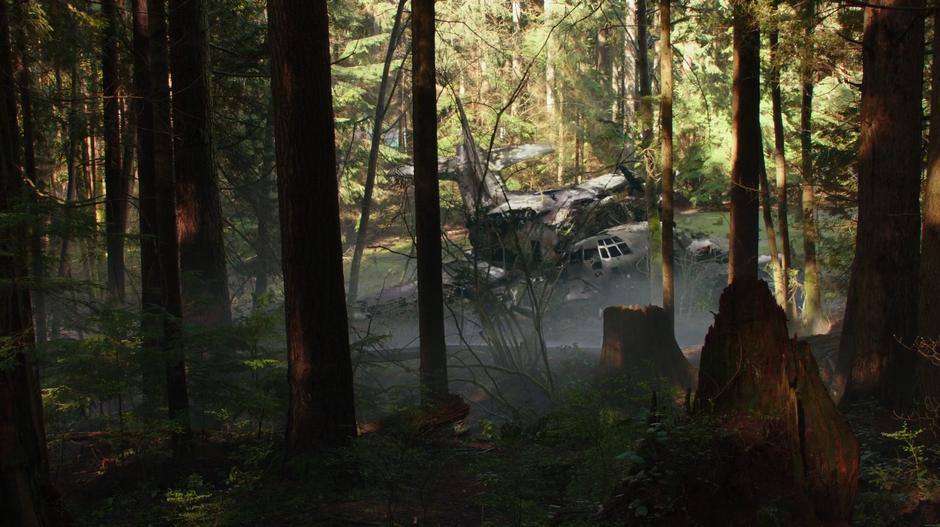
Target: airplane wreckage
column 585, row 239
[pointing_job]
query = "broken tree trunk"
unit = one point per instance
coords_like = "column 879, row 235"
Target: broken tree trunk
column 764, row 389
column 639, row 343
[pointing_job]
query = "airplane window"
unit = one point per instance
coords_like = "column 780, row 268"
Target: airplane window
column 590, row 254
column 608, row 241
column 604, row 254
column 614, row 251
column 623, row 248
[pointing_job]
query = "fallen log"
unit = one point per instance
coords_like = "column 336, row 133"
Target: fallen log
column 450, row 411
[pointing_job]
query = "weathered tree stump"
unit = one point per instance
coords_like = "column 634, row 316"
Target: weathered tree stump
column 764, row 389
column 639, row 343
column 765, row 444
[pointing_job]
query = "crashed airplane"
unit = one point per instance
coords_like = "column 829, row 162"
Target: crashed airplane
column 585, row 234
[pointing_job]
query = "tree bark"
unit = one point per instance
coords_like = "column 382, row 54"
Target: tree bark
column 639, row 343
column 116, row 186
column 764, row 387
column 153, row 382
column 198, row 208
column 23, row 469
column 780, row 165
column 746, row 155
column 427, row 206
column 665, row 116
column 767, row 208
column 881, row 309
column 36, row 258
column 929, row 316
column 321, row 411
column 645, row 112
column 177, row 396
column 547, row 6
column 71, row 186
column 812, row 316
column 381, row 106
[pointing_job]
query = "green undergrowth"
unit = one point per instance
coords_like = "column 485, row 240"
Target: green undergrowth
column 568, row 466
column 899, row 476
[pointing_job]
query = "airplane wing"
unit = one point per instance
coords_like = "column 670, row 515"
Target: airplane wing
column 605, row 184
column 447, row 169
column 505, row 157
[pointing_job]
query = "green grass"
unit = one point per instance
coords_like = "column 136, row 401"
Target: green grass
column 382, row 267
column 718, row 224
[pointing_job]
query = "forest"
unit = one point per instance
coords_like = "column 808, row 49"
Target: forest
column 469, row 263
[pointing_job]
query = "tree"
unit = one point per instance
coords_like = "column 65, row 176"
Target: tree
column 427, row 206
column 36, row 265
column 381, row 107
column 171, row 303
column 929, row 316
column 116, row 185
column 549, row 61
column 746, row 155
column 665, row 115
column 771, row 232
column 780, row 165
column 198, row 210
column 152, row 380
column 23, row 471
column 644, row 110
column 812, row 298
column 321, row 411
column 881, row 309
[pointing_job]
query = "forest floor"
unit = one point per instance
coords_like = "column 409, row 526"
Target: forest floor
column 558, row 468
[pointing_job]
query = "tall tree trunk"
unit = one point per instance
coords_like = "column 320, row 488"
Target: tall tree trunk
column 665, row 116
column 381, row 106
column 767, row 207
column 645, row 113
column 746, row 154
column 116, row 186
column 516, row 58
column 24, row 469
column 321, row 411
column 881, row 309
column 37, row 266
column 812, row 316
column 628, row 73
column 547, row 6
column 198, row 208
column 929, row 316
column 153, row 381
column 177, row 396
column 427, row 206
column 606, row 68
column 780, row 165
column 71, row 186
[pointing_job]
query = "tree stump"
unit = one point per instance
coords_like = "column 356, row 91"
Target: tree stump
column 764, row 389
column 639, row 343
column 765, row 444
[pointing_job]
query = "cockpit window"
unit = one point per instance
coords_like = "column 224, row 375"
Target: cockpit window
column 623, row 248
column 604, row 254
column 614, row 251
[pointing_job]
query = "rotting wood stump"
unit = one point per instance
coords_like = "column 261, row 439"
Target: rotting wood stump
column 639, row 344
column 765, row 390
